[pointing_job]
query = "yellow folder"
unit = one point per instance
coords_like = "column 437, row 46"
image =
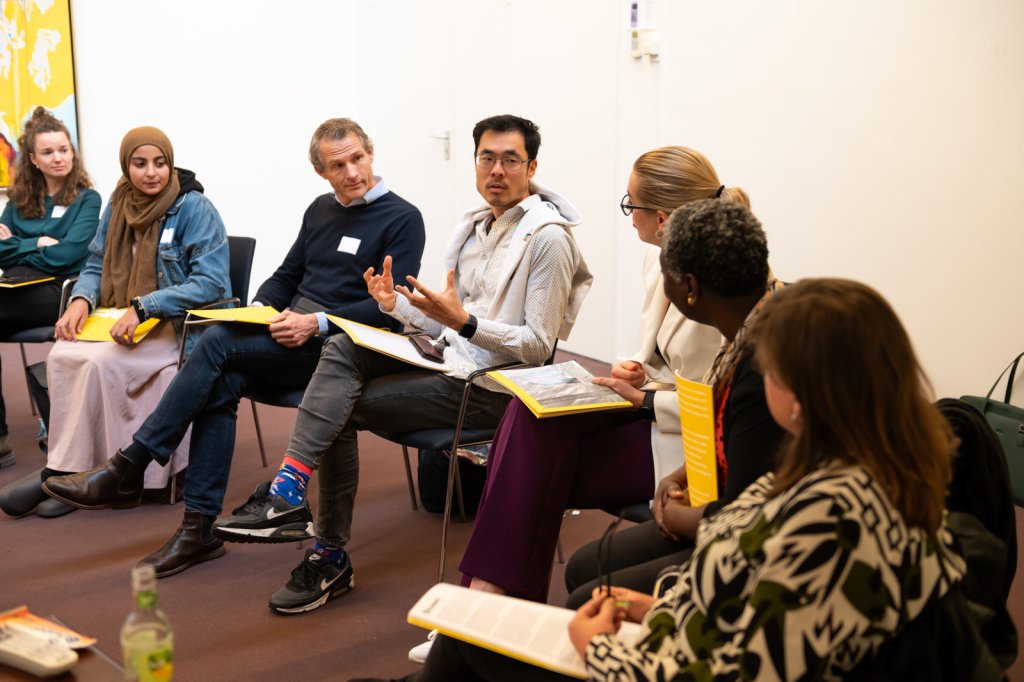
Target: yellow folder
column 697, row 418
column 101, row 321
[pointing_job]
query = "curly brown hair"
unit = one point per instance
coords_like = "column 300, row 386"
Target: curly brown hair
column 28, row 192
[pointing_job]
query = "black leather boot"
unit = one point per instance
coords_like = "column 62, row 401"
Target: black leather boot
column 118, row 484
column 191, row 544
column 23, row 496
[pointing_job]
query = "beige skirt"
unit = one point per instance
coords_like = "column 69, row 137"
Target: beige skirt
column 101, row 392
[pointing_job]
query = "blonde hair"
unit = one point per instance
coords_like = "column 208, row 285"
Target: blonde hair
column 669, row 177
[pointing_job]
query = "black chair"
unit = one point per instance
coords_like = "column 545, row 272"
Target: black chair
column 451, row 440
column 38, row 334
column 240, row 250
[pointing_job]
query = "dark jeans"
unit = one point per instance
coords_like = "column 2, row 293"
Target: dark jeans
column 638, row 555
column 36, row 305
column 206, row 393
column 355, row 389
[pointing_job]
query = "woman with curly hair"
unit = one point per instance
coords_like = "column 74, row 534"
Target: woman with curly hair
column 51, row 216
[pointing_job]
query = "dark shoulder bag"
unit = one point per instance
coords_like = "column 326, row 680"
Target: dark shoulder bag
column 1008, row 422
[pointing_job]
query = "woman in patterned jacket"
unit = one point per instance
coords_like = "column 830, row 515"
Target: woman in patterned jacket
column 813, row 567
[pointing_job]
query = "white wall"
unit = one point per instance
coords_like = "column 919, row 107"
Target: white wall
column 878, row 140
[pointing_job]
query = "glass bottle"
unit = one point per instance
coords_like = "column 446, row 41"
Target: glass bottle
column 146, row 637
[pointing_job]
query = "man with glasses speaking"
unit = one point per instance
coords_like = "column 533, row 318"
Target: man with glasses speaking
column 514, row 282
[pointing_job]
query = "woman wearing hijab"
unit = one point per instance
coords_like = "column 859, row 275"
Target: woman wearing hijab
column 161, row 249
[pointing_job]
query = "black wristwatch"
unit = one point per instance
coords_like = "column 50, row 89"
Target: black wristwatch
column 140, row 312
column 646, row 409
column 469, row 328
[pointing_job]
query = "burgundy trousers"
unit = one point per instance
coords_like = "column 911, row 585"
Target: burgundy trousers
column 538, row 468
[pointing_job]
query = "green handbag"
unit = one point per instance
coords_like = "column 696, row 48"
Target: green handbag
column 1008, row 422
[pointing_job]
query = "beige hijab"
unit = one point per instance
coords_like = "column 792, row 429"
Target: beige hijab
column 135, row 221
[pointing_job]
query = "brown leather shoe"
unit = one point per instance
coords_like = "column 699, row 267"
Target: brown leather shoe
column 186, row 547
column 118, row 484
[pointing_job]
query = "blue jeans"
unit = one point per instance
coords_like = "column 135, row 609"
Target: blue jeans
column 355, row 389
column 206, row 393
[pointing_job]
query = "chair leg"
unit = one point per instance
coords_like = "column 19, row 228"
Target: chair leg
column 24, row 367
column 259, row 433
column 558, row 550
column 408, row 478
column 458, row 491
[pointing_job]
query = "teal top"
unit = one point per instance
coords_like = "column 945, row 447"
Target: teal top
column 73, row 226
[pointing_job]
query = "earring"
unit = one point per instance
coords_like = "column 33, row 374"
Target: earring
column 794, row 417
column 691, row 299
column 660, row 234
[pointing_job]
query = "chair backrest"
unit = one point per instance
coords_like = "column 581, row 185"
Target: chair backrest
column 242, row 250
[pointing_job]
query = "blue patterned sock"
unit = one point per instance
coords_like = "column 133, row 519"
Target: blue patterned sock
column 290, row 483
column 333, row 554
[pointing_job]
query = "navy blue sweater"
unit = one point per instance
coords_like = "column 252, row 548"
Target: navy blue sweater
column 319, row 267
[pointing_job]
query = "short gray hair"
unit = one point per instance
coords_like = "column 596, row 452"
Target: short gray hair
column 335, row 129
column 720, row 243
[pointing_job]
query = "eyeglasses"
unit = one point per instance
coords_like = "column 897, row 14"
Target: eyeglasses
column 604, row 555
column 628, row 208
column 509, row 163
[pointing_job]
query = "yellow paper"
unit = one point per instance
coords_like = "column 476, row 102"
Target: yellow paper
column 554, row 390
column 697, row 418
column 15, row 282
column 258, row 314
column 101, row 321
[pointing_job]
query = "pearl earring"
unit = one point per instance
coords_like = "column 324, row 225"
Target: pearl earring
column 691, row 299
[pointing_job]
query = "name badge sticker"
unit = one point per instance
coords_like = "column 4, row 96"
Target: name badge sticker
column 349, row 245
column 58, row 211
column 167, row 236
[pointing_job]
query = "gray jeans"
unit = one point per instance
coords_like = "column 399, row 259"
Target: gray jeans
column 355, row 389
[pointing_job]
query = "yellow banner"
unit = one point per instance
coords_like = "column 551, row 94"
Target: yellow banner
column 697, row 417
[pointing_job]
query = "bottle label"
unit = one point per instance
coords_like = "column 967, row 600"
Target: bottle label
column 145, row 599
column 152, row 666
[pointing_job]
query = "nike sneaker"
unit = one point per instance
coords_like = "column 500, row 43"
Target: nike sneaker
column 315, row 581
column 266, row 518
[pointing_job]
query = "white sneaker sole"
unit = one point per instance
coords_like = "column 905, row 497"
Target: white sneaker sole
column 266, row 535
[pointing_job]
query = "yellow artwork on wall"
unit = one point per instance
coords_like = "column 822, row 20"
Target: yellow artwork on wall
column 36, row 69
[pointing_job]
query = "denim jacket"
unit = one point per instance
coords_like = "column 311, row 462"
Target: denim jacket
column 191, row 267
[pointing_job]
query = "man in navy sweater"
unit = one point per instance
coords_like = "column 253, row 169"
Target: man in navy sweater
column 343, row 233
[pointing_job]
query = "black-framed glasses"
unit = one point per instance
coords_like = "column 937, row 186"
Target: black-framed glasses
column 510, row 163
column 628, row 208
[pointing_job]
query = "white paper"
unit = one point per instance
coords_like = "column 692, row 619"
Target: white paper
column 349, row 245
column 526, row 630
column 58, row 211
column 167, row 236
column 388, row 343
